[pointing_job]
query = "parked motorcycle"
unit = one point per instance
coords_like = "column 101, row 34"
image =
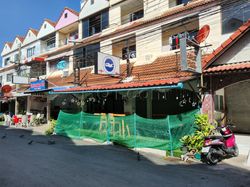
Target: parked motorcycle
column 217, row 148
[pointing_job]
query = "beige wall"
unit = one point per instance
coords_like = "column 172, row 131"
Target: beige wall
column 239, row 52
column 238, row 105
column 214, row 21
column 115, row 16
column 155, row 7
column 148, row 46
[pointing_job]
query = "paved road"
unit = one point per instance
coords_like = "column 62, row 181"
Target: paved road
column 68, row 163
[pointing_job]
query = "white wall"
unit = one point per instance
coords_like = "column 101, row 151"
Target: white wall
column 45, row 31
column 239, row 52
column 30, row 37
column 35, row 44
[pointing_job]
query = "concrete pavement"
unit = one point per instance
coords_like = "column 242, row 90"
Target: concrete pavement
column 80, row 163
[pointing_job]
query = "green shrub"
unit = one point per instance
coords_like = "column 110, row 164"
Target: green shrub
column 203, row 128
column 51, row 128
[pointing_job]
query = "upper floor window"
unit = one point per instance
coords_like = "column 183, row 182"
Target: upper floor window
column 6, row 61
column 31, row 51
column 16, row 57
column 92, row 2
column 51, row 43
column 131, row 52
column 9, row 77
column 136, row 15
column 86, row 56
column 95, row 24
column 174, row 40
column 234, row 15
column 182, row 2
column 1, row 80
column 73, row 35
column 65, row 15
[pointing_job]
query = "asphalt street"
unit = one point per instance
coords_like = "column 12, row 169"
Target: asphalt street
column 29, row 161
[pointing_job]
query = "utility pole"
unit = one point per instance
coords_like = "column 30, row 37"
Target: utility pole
column 18, row 73
column 128, row 60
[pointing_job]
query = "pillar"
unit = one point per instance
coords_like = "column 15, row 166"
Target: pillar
column 149, row 103
column 16, row 106
column 28, row 104
column 48, row 109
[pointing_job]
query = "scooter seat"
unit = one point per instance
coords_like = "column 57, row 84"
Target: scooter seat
column 213, row 137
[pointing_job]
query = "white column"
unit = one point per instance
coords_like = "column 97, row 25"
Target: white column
column 149, row 104
column 28, row 104
column 48, row 110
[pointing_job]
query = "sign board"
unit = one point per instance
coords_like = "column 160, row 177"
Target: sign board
column 38, row 85
column 108, row 64
column 20, row 80
column 61, row 65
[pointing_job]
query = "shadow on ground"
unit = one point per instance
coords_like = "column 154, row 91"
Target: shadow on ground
column 28, row 160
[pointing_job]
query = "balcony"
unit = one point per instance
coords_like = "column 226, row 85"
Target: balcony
column 131, row 11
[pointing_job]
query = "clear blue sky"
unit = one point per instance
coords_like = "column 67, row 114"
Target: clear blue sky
column 17, row 16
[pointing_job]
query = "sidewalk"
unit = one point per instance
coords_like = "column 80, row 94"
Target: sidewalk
column 239, row 161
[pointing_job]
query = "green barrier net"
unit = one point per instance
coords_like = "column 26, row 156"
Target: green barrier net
column 132, row 131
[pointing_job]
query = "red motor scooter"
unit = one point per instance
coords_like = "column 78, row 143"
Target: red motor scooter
column 217, row 148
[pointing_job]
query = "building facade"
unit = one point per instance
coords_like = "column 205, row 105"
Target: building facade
column 144, row 35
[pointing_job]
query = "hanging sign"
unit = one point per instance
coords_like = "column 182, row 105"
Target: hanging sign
column 61, row 65
column 38, row 85
column 108, row 64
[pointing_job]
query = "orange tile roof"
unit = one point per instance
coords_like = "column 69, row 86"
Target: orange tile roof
column 228, row 43
column 21, row 38
column 34, row 31
column 9, row 44
column 50, row 22
column 71, row 10
column 163, row 71
column 229, row 67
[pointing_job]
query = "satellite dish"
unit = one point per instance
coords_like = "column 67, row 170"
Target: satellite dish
column 6, row 88
column 202, row 34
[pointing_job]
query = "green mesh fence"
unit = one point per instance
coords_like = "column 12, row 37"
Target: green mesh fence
column 132, row 131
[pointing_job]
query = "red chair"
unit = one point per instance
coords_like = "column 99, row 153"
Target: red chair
column 15, row 120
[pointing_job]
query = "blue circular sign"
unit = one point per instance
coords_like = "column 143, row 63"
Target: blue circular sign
column 109, row 65
column 61, row 65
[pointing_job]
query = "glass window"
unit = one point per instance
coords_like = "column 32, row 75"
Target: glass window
column 182, row 2
column 9, row 77
column 234, row 15
column 85, row 28
column 73, row 35
column 92, row 2
column 132, row 52
column 7, row 61
column 105, row 20
column 51, row 43
column 136, row 15
column 95, row 24
column 1, row 80
column 219, row 104
column 30, row 51
column 16, row 57
column 86, row 56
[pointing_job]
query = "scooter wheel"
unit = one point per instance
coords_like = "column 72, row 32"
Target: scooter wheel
column 212, row 157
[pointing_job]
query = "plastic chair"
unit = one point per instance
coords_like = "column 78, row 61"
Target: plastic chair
column 24, row 121
column 33, row 121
